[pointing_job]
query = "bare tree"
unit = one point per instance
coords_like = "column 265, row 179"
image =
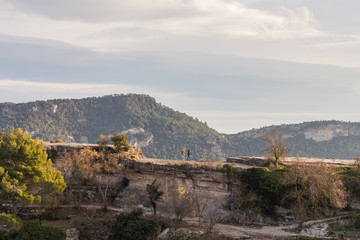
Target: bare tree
column 177, row 205
column 79, row 169
column 103, row 140
column 276, row 148
column 211, row 215
column 88, row 167
column 182, row 204
column 315, row 188
column 108, row 166
column 200, row 202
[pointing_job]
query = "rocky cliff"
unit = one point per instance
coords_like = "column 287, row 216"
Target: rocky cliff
column 127, row 186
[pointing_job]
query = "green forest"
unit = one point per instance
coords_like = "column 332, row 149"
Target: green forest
column 164, row 130
column 82, row 120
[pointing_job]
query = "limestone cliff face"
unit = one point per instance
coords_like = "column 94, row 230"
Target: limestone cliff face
column 138, row 137
column 322, row 139
column 171, row 176
column 135, row 175
column 331, row 131
column 126, row 187
column 317, row 131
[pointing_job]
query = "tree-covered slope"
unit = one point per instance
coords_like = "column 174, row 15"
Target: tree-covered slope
column 323, row 139
column 158, row 130
column 161, row 132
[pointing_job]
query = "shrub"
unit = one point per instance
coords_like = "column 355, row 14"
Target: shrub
column 4, row 235
column 9, row 220
column 261, row 189
column 103, row 140
column 132, row 227
column 351, row 179
column 57, row 140
column 121, row 142
column 35, row 231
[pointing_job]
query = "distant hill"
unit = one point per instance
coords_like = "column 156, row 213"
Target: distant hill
column 161, row 132
column 158, row 130
column 322, row 139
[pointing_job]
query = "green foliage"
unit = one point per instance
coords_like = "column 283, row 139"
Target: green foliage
column 228, row 170
column 342, row 147
column 57, row 140
column 153, row 193
column 265, row 187
column 9, row 220
column 25, row 171
column 5, row 235
column 89, row 117
column 35, row 231
column 132, row 227
column 186, row 235
column 351, row 179
column 356, row 222
column 121, row 142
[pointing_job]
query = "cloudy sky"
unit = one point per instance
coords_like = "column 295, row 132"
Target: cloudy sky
column 236, row 64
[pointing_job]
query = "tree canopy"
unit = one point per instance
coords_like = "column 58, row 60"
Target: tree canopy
column 154, row 193
column 121, row 142
column 25, row 172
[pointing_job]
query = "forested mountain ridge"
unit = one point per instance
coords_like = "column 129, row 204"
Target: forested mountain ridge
column 157, row 129
column 161, row 132
column 323, row 139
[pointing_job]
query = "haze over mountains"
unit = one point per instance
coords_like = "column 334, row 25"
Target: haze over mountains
column 161, row 131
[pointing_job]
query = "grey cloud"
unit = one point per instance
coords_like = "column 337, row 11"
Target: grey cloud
column 334, row 15
column 224, row 82
column 104, row 10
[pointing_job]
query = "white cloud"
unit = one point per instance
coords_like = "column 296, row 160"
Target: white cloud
column 207, row 26
column 97, row 19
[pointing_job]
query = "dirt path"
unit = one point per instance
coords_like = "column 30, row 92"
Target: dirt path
column 241, row 232
column 269, row 232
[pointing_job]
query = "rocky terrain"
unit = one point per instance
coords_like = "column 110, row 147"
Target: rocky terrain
column 209, row 180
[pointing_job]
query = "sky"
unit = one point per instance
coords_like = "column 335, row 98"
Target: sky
column 235, row 64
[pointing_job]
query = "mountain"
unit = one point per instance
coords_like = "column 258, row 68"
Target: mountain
column 157, row 129
column 161, row 132
column 322, row 139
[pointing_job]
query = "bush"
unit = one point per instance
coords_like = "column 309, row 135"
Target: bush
column 132, row 227
column 103, row 140
column 4, row 235
column 184, row 234
column 58, row 140
column 121, row 142
column 9, row 220
column 35, row 231
column 261, row 189
column 351, row 179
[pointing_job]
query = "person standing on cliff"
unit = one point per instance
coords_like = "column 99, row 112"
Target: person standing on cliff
column 188, row 155
column 183, row 154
